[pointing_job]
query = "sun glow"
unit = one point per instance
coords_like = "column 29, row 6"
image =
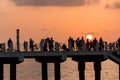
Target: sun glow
column 89, row 37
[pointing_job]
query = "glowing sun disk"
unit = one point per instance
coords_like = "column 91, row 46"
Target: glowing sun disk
column 89, row 37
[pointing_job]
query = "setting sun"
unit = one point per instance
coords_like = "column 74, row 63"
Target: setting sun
column 89, row 37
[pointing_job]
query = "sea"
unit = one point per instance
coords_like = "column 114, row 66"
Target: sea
column 31, row 70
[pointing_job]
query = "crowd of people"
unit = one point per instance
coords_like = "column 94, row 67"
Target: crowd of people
column 79, row 44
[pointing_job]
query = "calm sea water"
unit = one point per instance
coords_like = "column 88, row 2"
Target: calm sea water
column 31, row 70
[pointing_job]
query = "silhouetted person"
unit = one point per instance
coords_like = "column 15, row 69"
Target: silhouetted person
column 42, row 44
column 73, row 46
column 95, row 43
column 91, row 46
column 114, row 46
column 87, row 45
column 10, row 45
column 101, row 43
column 57, row 46
column 110, row 46
column 64, row 47
column 70, row 44
column 2, row 47
column 31, row 42
column 50, row 44
column 106, row 45
column 82, row 44
column 45, row 45
column 25, row 45
column 119, row 43
column 78, row 44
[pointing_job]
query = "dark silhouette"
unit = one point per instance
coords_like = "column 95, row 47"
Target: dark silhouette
column 87, row 45
column 45, row 44
column 101, row 43
column 2, row 47
column 64, row 47
column 57, row 46
column 48, row 44
column 25, row 45
column 82, row 44
column 10, row 45
column 42, row 41
column 78, row 44
column 118, row 43
column 70, row 44
column 50, row 41
column 31, row 42
column 95, row 43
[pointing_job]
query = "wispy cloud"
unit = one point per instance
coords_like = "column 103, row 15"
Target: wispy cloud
column 54, row 2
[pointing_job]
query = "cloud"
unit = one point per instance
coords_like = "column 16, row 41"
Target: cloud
column 113, row 6
column 117, row 5
column 53, row 2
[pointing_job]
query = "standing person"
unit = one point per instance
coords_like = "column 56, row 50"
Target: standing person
column 51, row 44
column 95, row 43
column 41, row 44
column 82, row 44
column 70, row 44
column 31, row 42
column 73, row 47
column 101, row 43
column 57, row 46
column 118, row 43
column 87, row 45
column 45, row 45
column 10, row 45
column 78, row 44
column 25, row 45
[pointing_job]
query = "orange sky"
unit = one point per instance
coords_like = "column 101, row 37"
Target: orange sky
column 59, row 22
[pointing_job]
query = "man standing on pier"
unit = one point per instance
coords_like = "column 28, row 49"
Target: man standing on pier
column 10, row 45
column 31, row 45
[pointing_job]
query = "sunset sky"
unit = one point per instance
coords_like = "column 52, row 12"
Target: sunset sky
column 59, row 19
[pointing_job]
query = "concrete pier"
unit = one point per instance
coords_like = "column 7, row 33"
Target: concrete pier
column 81, row 68
column 57, row 71
column 97, row 69
column 12, row 71
column 44, row 71
column 14, row 58
column 1, row 71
